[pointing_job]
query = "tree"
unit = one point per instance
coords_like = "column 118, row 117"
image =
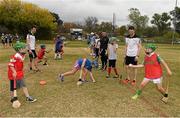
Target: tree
column 121, row 30
column 19, row 17
column 137, row 20
column 91, row 24
column 176, row 18
column 105, row 27
column 150, row 31
column 162, row 22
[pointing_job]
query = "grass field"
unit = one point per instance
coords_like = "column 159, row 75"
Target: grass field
column 106, row 97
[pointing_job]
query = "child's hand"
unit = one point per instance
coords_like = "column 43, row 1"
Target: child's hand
column 14, row 74
column 130, row 65
column 169, row 73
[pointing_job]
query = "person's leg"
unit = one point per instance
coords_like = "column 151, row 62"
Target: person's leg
column 109, row 69
column 142, row 85
column 105, row 62
column 25, row 90
column 84, row 74
column 92, row 77
column 45, row 60
column 72, row 72
column 134, row 72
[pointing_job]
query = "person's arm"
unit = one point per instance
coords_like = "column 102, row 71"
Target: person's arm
column 82, row 67
column 115, row 48
column 139, row 48
column 136, row 66
column 28, row 43
column 13, row 71
column 166, row 66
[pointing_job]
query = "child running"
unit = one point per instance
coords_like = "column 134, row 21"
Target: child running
column 16, row 73
column 112, row 57
column 153, row 71
column 84, row 65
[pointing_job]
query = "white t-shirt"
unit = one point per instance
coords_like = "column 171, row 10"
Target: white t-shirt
column 132, row 46
column 97, row 43
column 32, row 41
column 112, row 53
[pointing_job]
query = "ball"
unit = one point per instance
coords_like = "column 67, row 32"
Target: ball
column 79, row 83
column 16, row 104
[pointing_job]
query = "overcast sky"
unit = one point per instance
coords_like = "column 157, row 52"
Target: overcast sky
column 77, row 10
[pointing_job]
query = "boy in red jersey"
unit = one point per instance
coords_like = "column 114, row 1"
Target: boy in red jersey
column 41, row 55
column 153, row 70
column 16, row 73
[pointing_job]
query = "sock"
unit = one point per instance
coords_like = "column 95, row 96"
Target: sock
column 109, row 70
column 165, row 95
column 115, row 70
column 139, row 92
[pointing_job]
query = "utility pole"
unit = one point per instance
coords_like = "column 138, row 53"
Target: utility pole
column 174, row 22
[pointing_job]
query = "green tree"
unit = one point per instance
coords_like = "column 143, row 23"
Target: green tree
column 121, row 30
column 105, row 27
column 137, row 20
column 162, row 22
column 19, row 16
column 176, row 18
column 91, row 24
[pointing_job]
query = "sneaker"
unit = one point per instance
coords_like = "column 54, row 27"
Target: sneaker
column 107, row 76
column 165, row 99
column 61, row 78
column 126, row 81
column 116, row 76
column 133, row 83
column 31, row 99
column 45, row 64
column 135, row 96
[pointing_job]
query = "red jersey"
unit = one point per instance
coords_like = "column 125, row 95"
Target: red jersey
column 16, row 61
column 41, row 53
column 153, row 68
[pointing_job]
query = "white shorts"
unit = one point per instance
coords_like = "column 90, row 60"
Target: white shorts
column 155, row 81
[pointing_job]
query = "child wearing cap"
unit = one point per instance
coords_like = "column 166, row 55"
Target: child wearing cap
column 82, row 64
column 16, row 73
column 153, row 71
column 41, row 54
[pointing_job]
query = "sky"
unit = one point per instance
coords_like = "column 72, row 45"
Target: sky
column 78, row 10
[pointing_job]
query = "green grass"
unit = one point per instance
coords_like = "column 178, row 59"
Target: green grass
column 104, row 98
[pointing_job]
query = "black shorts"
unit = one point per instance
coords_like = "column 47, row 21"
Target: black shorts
column 33, row 54
column 112, row 63
column 19, row 84
column 130, row 60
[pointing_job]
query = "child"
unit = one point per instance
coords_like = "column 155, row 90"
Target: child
column 81, row 64
column 41, row 55
column 112, row 57
column 16, row 73
column 58, row 48
column 153, row 71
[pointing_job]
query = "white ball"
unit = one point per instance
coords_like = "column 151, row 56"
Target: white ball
column 16, row 104
column 79, row 83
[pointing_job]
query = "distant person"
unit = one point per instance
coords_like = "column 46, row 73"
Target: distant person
column 104, row 40
column 59, row 44
column 31, row 44
column 3, row 40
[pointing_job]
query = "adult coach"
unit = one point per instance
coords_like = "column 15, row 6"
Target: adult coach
column 132, row 51
column 104, row 40
column 31, row 45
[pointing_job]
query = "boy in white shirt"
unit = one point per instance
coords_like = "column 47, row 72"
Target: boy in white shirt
column 112, row 57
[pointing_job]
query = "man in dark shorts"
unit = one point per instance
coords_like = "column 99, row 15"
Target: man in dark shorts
column 31, row 43
column 132, row 51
